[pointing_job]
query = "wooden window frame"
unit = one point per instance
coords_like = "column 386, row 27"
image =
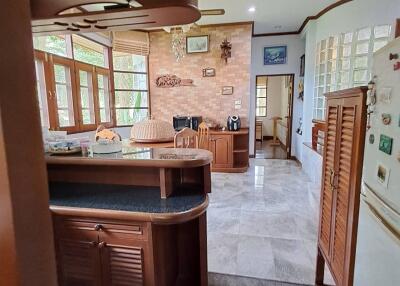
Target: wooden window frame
column 107, row 73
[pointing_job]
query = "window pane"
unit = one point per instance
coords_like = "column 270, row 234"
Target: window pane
column 130, row 116
column 261, row 92
column 131, row 99
column 52, row 44
column 347, row 38
column 362, row 48
column 346, row 51
column 104, row 98
column 88, row 51
column 344, row 77
column 379, row 44
column 86, row 93
column 261, row 102
column 41, row 93
column 345, row 64
column 360, row 76
column 382, row 31
column 130, row 81
column 364, row 34
column 361, row 62
column 261, row 111
column 64, row 96
column 129, row 62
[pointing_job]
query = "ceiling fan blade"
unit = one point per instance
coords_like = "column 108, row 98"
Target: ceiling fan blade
column 212, row 12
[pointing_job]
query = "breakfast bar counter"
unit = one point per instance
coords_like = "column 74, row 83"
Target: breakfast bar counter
column 137, row 217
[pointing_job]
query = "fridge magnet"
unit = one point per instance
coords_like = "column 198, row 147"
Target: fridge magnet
column 371, row 139
column 385, row 95
column 382, row 174
column 385, row 144
column 227, row 90
column 396, row 66
column 386, row 118
column 393, row 56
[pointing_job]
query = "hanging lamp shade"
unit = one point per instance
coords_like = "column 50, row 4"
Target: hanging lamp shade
column 151, row 131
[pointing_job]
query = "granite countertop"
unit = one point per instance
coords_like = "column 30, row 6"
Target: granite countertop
column 141, row 157
column 123, row 198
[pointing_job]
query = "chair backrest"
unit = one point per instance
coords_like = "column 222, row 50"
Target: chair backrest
column 204, row 135
column 186, row 138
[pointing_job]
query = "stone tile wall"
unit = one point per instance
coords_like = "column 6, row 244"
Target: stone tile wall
column 204, row 98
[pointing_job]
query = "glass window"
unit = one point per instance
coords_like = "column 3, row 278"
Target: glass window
column 354, row 51
column 104, row 97
column 57, row 45
column 261, row 96
column 42, row 93
column 86, row 97
column 89, row 52
column 65, row 107
column 131, row 88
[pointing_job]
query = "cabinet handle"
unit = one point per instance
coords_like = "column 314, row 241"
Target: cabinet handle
column 98, row 227
column 102, row 244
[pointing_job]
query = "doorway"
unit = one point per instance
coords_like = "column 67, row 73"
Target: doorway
column 274, row 113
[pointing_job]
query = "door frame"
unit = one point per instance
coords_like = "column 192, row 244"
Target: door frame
column 289, row 122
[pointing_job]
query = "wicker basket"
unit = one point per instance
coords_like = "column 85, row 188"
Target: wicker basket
column 152, row 130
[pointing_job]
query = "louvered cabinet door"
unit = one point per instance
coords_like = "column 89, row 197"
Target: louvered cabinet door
column 327, row 177
column 78, row 262
column 122, row 265
column 347, row 187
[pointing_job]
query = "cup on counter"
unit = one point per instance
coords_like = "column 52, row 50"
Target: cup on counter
column 85, row 145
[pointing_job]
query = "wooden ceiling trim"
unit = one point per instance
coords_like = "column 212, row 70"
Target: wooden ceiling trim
column 305, row 22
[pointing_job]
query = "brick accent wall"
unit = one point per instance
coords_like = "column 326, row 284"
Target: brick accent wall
column 204, row 98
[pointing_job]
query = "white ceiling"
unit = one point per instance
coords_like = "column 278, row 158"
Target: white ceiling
column 269, row 14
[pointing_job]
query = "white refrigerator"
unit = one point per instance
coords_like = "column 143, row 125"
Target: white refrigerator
column 378, row 243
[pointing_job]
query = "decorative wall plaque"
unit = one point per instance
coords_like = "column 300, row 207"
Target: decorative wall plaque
column 169, row 80
column 208, row 72
column 227, row 90
column 371, row 139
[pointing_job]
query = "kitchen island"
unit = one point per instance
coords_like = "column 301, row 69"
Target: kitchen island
column 131, row 218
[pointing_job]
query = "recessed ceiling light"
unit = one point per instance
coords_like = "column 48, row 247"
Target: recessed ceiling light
column 252, row 9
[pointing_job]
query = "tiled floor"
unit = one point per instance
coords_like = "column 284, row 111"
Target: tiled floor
column 263, row 223
column 264, row 150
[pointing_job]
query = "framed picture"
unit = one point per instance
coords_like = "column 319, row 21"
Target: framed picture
column 302, row 65
column 275, row 55
column 386, row 144
column 197, row 44
column 208, row 72
column 227, row 90
column 382, row 175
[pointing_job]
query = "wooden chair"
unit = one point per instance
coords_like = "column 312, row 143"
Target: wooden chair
column 204, row 136
column 186, row 138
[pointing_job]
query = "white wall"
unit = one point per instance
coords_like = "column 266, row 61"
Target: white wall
column 296, row 48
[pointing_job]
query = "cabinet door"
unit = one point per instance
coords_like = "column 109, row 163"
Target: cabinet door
column 78, row 256
column 351, row 134
column 221, row 147
column 328, row 176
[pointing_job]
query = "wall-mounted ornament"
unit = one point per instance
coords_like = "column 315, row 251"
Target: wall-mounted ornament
column 302, row 65
column 226, row 52
column 301, row 90
column 178, row 44
column 371, row 139
column 276, row 55
column 386, row 118
column 208, row 72
column 393, row 56
column 371, row 100
column 382, row 174
column 169, row 80
column 300, row 128
column 385, row 144
column 227, row 90
column 385, row 95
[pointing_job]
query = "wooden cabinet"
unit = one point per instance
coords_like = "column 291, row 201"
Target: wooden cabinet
column 221, row 147
column 93, row 253
column 341, row 184
column 230, row 150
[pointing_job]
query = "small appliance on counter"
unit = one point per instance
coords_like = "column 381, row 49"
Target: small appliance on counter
column 181, row 122
column 233, row 123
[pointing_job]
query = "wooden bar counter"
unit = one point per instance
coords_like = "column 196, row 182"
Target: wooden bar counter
column 131, row 218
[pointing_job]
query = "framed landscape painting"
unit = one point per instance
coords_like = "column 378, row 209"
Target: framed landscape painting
column 197, row 44
column 275, row 55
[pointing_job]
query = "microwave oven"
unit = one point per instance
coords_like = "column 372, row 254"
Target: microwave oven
column 181, row 122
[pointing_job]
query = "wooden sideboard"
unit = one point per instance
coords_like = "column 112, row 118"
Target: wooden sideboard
column 230, row 150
